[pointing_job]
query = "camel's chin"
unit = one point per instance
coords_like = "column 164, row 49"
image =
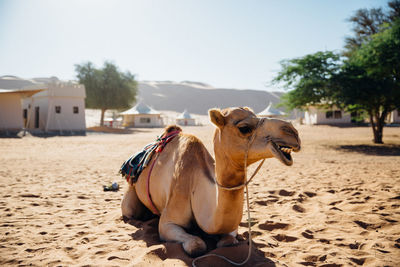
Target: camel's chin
column 282, row 156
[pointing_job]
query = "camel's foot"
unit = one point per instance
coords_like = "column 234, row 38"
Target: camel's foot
column 194, row 246
column 227, row 240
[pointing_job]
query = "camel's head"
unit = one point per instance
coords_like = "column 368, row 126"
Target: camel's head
column 237, row 127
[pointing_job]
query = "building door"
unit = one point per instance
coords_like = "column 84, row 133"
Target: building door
column 25, row 116
column 36, row 117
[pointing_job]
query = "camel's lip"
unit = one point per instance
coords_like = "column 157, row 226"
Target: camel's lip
column 282, row 152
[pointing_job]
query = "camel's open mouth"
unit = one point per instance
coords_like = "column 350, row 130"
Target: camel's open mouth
column 282, row 152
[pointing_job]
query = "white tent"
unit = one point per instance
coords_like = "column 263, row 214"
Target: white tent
column 141, row 115
column 185, row 119
column 271, row 112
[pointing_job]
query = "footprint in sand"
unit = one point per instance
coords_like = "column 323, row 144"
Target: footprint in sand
column 284, row 238
column 100, row 252
column 253, row 234
column 270, row 226
column 365, row 225
column 323, row 240
column 358, row 261
column 285, row 193
column 356, row 245
column 116, row 258
column 307, row 234
column 298, row 208
column 310, row 194
column 270, row 200
column 335, row 202
column 312, row 260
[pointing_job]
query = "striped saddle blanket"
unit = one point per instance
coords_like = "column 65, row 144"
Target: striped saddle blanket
column 133, row 167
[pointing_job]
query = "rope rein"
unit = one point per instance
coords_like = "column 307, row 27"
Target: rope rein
column 247, row 202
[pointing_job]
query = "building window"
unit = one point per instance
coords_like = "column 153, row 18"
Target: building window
column 144, row 120
column 25, row 113
column 58, row 109
column 76, row 110
column 338, row 114
column 329, row 114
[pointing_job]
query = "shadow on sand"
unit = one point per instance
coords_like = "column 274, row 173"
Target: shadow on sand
column 373, row 150
column 148, row 232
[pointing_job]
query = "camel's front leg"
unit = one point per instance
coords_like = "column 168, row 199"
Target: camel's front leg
column 193, row 245
column 131, row 206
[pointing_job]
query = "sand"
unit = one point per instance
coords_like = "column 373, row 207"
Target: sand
column 338, row 205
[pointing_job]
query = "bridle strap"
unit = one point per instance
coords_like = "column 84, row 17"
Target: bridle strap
column 244, row 184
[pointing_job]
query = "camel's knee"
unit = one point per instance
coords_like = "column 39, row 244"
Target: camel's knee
column 131, row 207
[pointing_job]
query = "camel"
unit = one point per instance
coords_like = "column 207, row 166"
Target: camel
column 187, row 184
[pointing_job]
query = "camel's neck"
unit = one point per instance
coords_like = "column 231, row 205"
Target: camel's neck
column 229, row 208
column 228, row 173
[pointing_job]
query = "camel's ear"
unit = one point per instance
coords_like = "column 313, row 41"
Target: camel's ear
column 216, row 117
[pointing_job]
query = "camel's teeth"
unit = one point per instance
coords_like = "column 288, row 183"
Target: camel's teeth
column 286, row 150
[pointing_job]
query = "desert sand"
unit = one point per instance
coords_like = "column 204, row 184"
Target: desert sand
column 338, row 205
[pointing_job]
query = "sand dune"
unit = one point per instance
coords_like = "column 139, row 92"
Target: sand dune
column 338, row 205
column 198, row 99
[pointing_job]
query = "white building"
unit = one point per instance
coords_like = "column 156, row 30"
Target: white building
column 185, row 119
column 141, row 115
column 11, row 115
column 271, row 112
column 394, row 116
column 44, row 105
column 60, row 108
column 317, row 115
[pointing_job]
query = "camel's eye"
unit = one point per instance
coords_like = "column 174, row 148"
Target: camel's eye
column 245, row 129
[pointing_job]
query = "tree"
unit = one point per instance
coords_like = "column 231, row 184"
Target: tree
column 370, row 79
column 106, row 88
column 308, row 79
column 367, row 22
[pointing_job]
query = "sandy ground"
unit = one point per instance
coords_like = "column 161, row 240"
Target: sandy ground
column 338, row 205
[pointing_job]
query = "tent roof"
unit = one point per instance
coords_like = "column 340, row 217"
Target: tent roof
column 140, row 108
column 185, row 115
column 270, row 111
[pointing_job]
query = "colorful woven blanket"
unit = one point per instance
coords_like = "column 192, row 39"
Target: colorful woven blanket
column 133, row 167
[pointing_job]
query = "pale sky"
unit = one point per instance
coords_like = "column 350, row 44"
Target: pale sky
column 225, row 43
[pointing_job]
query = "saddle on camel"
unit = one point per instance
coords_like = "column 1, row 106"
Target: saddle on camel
column 186, row 186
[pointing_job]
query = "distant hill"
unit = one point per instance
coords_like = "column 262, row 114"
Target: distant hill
column 198, row 97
